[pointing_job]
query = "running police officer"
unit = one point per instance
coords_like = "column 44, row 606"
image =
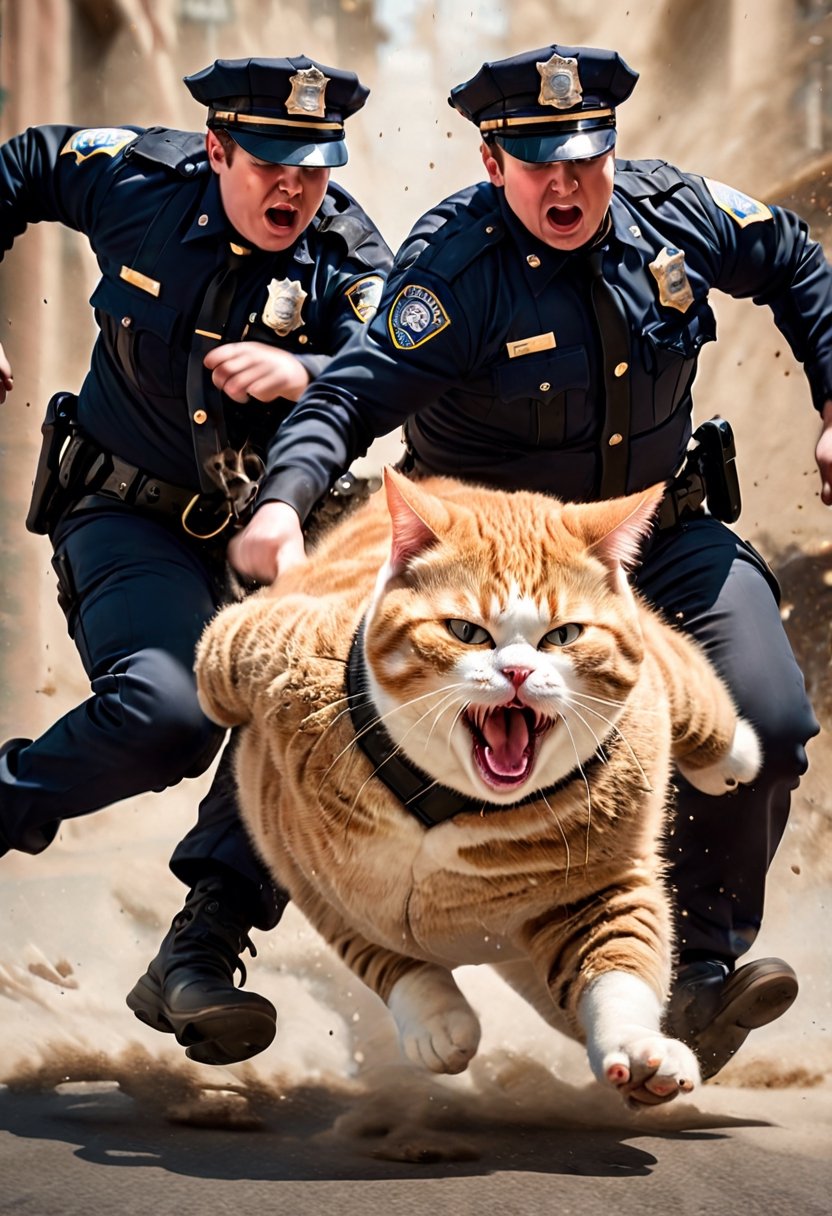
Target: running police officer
column 232, row 270
column 541, row 330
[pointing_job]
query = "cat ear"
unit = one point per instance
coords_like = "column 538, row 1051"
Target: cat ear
column 615, row 529
column 412, row 533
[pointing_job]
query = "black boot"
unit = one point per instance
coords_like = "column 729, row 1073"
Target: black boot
column 188, row 990
column 714, row 1010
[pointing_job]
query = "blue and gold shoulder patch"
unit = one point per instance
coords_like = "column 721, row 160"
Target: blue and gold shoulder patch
column 741, row 207
column 108, row 140
column 415, row 317
column 364, row 296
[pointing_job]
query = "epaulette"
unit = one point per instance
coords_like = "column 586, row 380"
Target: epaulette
column 647, row 178
column 182, row 151
column 474, row 226
column 341, row 216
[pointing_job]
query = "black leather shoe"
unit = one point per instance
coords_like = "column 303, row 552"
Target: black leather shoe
column 188, row 990
column 714, row 1010
column 34, row 840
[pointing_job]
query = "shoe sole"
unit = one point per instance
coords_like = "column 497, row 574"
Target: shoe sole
column 749, row 1001
column 215, row 1034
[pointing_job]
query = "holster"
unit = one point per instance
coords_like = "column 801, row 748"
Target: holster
column 715, row 458
column 49, row 496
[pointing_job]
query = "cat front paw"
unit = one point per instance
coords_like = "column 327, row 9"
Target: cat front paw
column 739, row 766
column 438, row 1029
column 648, row 1069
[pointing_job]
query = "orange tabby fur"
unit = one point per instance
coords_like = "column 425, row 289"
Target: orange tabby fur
column 557, row 892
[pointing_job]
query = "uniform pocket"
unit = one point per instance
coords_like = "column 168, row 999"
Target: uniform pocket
column 553, row 385
column 670, row 348
column 142, row 333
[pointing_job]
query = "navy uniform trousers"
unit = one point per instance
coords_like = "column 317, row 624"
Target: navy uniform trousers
column 137, row 595
column 142, row 594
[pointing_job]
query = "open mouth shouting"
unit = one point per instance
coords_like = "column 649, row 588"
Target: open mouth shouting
column 281, row 219
column 564, row 220
column 506, row 741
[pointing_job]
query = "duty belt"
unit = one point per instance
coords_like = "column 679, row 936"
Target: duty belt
column 202, row 516
column 683, row 500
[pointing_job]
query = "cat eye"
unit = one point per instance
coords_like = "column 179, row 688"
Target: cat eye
column 563, row 635
column 465, row 631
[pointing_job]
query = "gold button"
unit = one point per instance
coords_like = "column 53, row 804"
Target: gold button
column 303, row 339
column 127, row 322
column 621, row 368
column 615, row 439
column 203, row 220
column 533, row 260
column 545, row 386
column 200, row 416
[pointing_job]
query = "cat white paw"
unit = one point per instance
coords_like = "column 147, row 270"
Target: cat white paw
column 647, row 1068
column 437, row 1027
column 739, row 766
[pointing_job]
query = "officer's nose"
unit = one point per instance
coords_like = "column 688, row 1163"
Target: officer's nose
column 562, row 177
column 288, row 180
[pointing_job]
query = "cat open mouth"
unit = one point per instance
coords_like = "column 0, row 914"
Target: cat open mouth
column 506, row 739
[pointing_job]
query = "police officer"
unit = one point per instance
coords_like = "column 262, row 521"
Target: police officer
column 541, row 330
column 232, row 270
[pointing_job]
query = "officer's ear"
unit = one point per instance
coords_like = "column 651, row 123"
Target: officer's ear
column 216, row 152
column 490, row 154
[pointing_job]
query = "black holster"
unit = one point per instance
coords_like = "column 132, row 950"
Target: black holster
column 715, row 457
column 49, row 496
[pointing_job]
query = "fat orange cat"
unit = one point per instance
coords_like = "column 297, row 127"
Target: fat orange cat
column 458, row 728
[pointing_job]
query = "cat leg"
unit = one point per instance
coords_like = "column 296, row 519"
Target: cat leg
column 437, row 1027
column 739, row 765
column 621, row 1015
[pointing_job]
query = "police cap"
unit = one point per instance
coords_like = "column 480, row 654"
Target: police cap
column 286, row 111
column 556, row 103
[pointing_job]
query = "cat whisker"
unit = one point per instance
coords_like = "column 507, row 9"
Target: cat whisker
column 614, row 726
column 563, row 834
column 586, row 784
column 575, row 694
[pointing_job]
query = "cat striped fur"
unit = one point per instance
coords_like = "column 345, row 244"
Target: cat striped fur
column 509, row 659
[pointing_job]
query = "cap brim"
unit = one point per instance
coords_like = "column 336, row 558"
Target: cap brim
column 572, row 145
column 328, row 154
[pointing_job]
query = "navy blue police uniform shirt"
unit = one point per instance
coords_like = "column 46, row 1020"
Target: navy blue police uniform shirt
column 149, row 205
column 486, row 343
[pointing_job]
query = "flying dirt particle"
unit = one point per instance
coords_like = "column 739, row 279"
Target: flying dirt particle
column 795, row 869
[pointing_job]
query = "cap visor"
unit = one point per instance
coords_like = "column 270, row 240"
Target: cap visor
column 542, row 149
column 328, row 154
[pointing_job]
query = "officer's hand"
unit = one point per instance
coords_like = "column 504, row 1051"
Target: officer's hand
column 6, row 377
column 823, row 455
column 255, row 369
column 270, row 544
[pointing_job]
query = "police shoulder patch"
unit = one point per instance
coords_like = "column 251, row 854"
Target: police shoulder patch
column 108, row 140
column 741, row 207
column 364, row 296
column 416, row 316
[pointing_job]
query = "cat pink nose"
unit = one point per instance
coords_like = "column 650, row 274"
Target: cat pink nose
column 517, row 675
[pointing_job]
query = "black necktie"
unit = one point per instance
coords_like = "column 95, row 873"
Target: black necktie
column 205, row 401
column 615, row 355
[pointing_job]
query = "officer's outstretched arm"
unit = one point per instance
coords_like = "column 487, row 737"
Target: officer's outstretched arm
column 6, row 377
column 270, row 544
column 823, row 455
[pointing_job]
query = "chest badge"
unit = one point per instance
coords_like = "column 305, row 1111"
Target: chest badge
column 284, row 305
column 672, row 277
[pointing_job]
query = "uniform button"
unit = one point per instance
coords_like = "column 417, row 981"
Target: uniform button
column 615, row 439
column 545, row 386
column 189, row 168
column 127, row 322
column 621, row 368
column 203, row 220
column 200, row 416
column 533, row 260
column 490, row 229
column 303, row 339
column 252, row 317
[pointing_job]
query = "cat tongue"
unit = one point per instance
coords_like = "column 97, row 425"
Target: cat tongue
column 506, row 733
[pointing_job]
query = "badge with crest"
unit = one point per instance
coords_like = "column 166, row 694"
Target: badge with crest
column 308, row 92
column 284, row 305
column 106, row 140
column 670, row 273
column 416, row 317
column 560, row 85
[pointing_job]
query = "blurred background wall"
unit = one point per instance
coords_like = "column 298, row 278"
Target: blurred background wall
column 737, row 89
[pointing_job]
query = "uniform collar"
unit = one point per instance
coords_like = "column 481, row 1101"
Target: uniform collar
column 210, row 222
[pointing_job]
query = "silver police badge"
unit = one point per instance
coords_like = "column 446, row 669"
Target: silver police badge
column 307, row 95
column 560, row 85
column 669, row 272
column 283, row 307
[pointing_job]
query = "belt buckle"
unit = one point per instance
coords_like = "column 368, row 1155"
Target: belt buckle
column 204, row 535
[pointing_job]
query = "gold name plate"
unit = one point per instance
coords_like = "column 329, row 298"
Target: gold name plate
column 527, row 346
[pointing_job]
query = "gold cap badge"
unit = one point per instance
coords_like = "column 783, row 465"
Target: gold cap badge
column 283, row 307
column 560, row 85
column 307, row 95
